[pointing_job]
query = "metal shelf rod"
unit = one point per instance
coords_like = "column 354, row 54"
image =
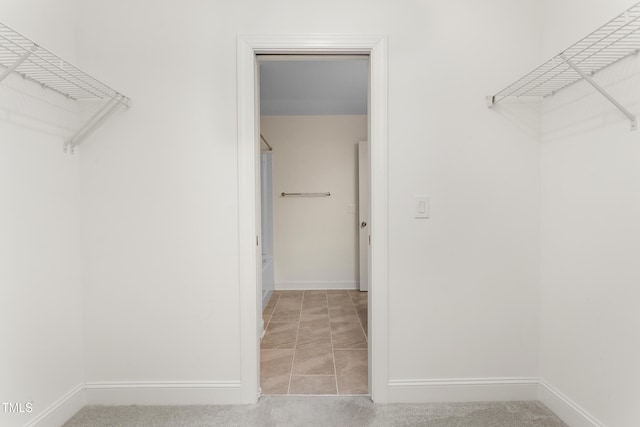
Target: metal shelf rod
column 327, row 194
column 266, row 143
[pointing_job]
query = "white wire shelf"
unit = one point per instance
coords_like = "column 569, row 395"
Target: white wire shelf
column 21, row 56
column 614, row 41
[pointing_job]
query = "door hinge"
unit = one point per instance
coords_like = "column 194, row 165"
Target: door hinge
column 257, row 244
column 369, row 239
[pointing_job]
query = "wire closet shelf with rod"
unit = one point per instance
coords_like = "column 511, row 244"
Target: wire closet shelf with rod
column 21, row 56
column 609, row 44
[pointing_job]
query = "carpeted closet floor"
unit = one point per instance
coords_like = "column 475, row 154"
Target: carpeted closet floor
column 321, row 411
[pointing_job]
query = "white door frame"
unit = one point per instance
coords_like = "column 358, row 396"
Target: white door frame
column 248, row 149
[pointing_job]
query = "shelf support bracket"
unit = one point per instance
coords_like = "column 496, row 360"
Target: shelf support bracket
column 589, row 79
column 95, row 120
column 20, row 60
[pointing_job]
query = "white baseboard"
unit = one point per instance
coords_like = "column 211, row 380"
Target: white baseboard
column 492, row 389
column 311, row 285
column 229, row 392
column 570, row 412
column 164, row 393
column 63, row 409
column 463, row 390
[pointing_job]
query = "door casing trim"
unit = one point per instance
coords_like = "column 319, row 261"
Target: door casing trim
column 375, row 46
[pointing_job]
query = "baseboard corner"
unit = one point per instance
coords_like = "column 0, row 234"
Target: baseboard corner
column 565, row 408
column 61, row 410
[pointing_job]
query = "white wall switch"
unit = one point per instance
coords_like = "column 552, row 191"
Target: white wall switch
column 351, row 208
column 422, row 206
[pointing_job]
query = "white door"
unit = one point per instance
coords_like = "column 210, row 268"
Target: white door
column 266, row 190
column 363, row 213
column 258, row 252
column 257, row 167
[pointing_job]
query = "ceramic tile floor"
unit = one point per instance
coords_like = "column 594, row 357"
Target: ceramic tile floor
column 315, row 342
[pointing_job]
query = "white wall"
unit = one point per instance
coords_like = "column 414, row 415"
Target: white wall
column 159, row 199
column 41, row 350
column 159, row 190
column 158, row 203
column 590, row 339
column 316, row 238
column 463, row 297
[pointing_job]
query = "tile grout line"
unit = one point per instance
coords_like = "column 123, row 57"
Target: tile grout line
column 295, row 345
column 272, row 311
column 277, row 300
column 333, row 351
column 366, row 336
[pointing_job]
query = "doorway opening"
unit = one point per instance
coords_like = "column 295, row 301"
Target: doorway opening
column 314, row 223
column 249, row 47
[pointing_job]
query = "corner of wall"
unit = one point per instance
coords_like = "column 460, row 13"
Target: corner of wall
column 61, row 410
column 569, row 411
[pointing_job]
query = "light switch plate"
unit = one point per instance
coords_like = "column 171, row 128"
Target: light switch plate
column 422, row 207
column 351, row 208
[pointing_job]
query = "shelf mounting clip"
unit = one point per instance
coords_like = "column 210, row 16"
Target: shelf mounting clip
column 589, row 79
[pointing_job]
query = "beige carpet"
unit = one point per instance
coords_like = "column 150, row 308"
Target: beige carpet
column 322, row 411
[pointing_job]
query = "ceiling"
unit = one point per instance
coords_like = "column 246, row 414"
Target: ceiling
column 314, row 86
